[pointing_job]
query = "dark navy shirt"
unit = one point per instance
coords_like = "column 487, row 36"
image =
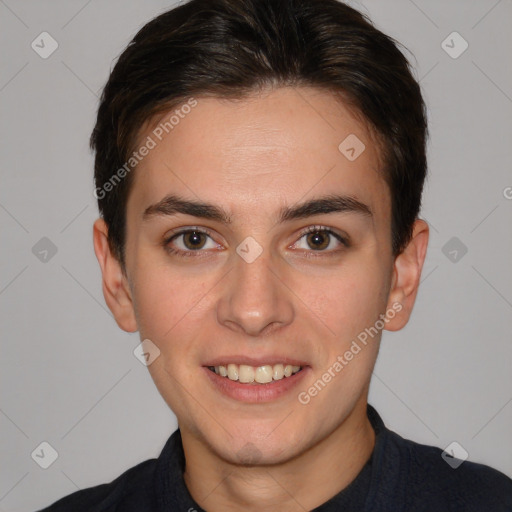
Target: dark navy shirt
column 400, row 476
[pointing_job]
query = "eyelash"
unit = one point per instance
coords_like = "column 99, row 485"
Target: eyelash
column 310, row 229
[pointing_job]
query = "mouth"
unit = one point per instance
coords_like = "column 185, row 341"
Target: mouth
column 259, row 382
column 263, row 374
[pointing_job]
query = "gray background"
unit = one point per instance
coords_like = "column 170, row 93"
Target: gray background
column 68, row 374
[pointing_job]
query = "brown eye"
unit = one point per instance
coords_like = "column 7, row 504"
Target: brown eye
column 190, row 242
column 194, row 240
column 321, row 240
column 318, row 240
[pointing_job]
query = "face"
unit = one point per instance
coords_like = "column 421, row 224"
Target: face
column 255, row 248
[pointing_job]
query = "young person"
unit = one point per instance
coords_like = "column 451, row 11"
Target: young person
column 259, row 170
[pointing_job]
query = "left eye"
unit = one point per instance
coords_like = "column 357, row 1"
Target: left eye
column 320, row 239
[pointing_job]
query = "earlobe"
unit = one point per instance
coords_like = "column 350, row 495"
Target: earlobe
column 406, row 276
column 115, row 285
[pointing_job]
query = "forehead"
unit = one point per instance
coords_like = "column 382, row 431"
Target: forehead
column 261, row 152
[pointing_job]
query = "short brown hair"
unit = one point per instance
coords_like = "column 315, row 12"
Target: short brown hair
column 230, row 48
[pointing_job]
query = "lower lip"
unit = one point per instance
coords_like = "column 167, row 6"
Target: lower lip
column 256, row 393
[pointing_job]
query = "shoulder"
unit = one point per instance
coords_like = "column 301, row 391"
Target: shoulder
column 434, row 481
column 133, row 487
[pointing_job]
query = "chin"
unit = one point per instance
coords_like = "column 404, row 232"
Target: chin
column 252, row 454
column 256, row 447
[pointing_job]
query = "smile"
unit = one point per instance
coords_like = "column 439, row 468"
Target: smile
column 263, row 374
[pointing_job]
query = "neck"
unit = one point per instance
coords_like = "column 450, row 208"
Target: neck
column 298, row 484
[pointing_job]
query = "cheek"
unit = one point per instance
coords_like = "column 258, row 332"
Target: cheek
column 347, row 301
column 164, row 300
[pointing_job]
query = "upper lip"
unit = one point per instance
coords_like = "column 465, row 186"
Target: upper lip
column 255, row 361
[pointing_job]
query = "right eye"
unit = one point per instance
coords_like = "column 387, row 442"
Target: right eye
column 189, row 241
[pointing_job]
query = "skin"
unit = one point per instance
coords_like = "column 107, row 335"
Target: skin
column 252, row 157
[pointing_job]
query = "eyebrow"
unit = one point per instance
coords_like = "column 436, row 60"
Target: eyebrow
column 172, row 205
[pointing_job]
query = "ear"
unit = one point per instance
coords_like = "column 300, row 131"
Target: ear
column 406, row 277
column 115, row 283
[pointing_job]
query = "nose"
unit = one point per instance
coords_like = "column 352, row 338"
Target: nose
column 255, row 299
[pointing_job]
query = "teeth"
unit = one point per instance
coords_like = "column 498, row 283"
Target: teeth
column 264, row 374
column 245, row 373
column 278, row 373
column 261, row 374
column 232, row 372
